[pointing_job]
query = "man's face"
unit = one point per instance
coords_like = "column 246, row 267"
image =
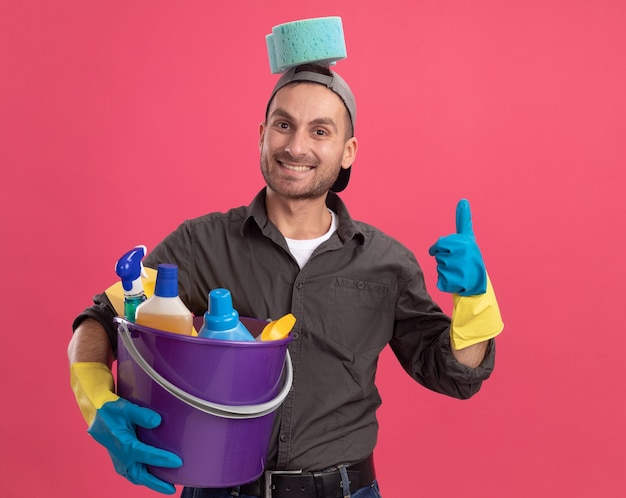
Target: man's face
column 304, row 142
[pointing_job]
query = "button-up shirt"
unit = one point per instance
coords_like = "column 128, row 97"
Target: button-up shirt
column 360, row 291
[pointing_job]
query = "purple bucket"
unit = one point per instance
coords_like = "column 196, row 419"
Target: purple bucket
column 216, row 398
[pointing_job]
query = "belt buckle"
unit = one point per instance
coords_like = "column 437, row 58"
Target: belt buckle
column 267, row 479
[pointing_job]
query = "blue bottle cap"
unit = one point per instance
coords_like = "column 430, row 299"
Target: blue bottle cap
column 166, row 281
column 221, row 315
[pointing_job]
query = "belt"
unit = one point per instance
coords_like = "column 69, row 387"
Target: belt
column 298, row 484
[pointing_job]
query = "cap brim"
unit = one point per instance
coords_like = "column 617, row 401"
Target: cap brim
column 342, row 180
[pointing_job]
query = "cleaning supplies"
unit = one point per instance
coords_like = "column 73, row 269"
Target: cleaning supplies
column 221, row 321
column 277, row 329
column 165, row 310
column 129, row 268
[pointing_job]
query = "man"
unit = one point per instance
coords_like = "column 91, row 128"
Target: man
column 352, row 289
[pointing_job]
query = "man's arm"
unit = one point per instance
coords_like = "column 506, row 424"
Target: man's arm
column 90, row 343
column 471, row 356
column 112, row 420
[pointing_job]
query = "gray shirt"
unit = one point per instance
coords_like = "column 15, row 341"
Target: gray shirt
column 360, row 291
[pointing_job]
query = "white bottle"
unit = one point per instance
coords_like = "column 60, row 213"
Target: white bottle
column 165, row 310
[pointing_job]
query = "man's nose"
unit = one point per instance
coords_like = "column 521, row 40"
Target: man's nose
column 298, row 143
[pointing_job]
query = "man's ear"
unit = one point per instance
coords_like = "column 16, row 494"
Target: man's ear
column 349, row 152
column 261, row 134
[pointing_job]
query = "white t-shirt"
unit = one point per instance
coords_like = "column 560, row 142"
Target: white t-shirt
column 301, row 250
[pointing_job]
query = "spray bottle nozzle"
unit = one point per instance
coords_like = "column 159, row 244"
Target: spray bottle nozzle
column 130, row 268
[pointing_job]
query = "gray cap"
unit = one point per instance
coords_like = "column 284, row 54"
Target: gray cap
column 335, row 83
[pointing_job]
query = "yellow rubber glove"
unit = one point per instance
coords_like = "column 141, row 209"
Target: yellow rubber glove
column 475, row 318
column 93, row 386
column 112, row 421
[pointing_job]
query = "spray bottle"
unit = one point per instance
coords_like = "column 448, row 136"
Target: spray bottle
column 165, row 310
column 221, row 321
column 130, row 269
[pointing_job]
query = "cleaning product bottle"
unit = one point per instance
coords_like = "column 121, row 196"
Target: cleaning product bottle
column 165, row 310
column 129, row 268
column 277, row 329
column 221, row 321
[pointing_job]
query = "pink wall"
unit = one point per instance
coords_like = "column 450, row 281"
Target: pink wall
column 518, row 106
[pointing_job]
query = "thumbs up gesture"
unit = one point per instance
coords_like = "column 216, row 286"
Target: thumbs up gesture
column 476, row 315
column 460, row 265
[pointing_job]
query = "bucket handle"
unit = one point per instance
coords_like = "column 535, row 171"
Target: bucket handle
column 218, row 410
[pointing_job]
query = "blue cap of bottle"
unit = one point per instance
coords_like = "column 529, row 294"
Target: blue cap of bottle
column 221, row 315
column 166, row 281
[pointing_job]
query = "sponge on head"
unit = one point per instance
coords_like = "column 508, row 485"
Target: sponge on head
column 318, row 40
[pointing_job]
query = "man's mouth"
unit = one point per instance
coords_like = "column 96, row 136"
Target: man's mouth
column 300, row 168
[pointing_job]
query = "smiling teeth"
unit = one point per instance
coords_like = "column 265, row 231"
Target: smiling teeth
column 296, row 168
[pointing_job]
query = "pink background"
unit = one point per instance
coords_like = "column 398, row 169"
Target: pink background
column 120, row 119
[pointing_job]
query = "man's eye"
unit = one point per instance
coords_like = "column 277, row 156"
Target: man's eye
column 320, row 133
column 282, row 125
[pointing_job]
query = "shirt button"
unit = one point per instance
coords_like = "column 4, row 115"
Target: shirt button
column 284, row 437
column 299, row 285
column 361, row 285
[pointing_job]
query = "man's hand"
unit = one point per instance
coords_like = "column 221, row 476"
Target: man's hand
column 460, row 265
column 114, row 428
column 112, row 421
column 461, row 270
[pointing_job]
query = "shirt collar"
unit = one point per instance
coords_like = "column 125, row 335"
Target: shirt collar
column 346, row 228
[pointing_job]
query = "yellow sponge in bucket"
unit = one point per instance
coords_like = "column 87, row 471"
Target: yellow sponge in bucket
column 318, row 40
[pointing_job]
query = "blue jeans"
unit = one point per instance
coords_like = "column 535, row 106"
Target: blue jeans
column 370, row 491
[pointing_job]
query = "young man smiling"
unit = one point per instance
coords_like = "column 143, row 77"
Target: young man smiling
column 304, row 143
column 354, row 290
